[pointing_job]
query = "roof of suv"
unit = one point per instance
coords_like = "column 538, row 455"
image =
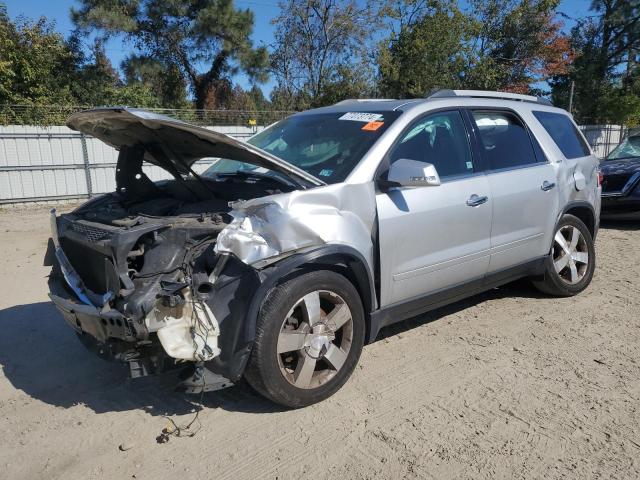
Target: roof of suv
column 388, row 105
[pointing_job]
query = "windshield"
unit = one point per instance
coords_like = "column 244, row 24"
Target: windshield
column 326, row 145
column 630, row 147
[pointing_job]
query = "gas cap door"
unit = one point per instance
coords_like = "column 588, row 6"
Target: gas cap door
column 579, row 179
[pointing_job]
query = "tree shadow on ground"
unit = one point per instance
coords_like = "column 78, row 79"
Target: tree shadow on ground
column 518, row 289
column 616, row 224
column 41, row 356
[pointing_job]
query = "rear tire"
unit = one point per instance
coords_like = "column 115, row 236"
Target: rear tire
column 309, row 337
column 572, row 260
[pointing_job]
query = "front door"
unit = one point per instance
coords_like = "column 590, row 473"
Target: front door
column 434, row 237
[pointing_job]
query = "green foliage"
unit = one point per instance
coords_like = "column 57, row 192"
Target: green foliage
column 36, row 65
column 182, row 34
column 166, row 82
column 320, row 52
column 497, row 45
column 434, row 52
column 605, row 72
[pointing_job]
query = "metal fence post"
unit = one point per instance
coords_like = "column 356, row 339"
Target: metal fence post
column 87, row 167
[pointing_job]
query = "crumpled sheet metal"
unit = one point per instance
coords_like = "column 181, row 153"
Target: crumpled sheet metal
column 272, row 226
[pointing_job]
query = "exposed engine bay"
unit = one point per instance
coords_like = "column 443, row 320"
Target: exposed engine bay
column 143, row 257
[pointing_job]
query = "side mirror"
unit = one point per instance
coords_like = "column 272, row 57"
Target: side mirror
column 412, row 173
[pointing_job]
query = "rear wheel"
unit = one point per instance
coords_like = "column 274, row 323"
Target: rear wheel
column 309, row 337
column 571, row 263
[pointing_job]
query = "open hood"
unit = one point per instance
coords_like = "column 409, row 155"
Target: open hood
column 175, row 145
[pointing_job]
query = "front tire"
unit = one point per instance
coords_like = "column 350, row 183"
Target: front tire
column 310, row 334
column 572, row 260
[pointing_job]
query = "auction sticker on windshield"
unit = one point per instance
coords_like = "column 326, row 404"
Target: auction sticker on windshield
column 361, row 117
column 372, row 126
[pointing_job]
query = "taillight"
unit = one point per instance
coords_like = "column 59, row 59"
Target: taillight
column 600, row 178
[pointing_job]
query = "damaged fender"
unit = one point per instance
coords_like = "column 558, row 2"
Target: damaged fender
column 265, row 229
column 271, row 237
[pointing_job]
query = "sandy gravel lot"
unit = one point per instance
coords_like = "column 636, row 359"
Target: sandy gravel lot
column 508, row 384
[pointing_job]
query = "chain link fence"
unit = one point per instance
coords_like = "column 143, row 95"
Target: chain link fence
column 604, row 138
column 54, row 163
column 49, row 115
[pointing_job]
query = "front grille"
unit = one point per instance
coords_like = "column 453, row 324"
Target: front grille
column 92, row 234
column 615, row 183
column 94, row 268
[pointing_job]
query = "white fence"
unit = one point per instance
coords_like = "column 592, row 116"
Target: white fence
column 56, row 163
column 603, row 138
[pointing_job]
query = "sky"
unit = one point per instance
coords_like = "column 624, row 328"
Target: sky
column 264, row 12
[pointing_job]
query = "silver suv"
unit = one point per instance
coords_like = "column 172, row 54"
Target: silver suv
column 279, row 258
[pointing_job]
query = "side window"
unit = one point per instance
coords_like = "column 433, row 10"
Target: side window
column 504, row 140
column 564, row 133
column 439, row 139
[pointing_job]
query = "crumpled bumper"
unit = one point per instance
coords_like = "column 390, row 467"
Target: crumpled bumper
column 88, row 319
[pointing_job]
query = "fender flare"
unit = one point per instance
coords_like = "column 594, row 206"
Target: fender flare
column 240, row 342
column 328, row 255
column 582, row 204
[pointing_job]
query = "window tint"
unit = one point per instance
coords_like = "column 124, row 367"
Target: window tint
column 504, row 140
column 564, row 133
column 439, row 139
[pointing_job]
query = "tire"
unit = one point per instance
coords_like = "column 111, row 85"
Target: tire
column 566, row 273
column 294, row 363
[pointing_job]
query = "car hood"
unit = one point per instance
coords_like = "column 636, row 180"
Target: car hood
column 173, row 144
column 620, row 166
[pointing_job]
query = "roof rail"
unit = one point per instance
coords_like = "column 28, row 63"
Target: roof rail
column 444, row 93
column 363, row 100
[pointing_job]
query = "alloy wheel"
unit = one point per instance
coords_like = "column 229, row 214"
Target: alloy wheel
column 315, row 339
column 570, row 254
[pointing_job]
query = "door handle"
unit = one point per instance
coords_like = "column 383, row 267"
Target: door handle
column 475, row 200
column 546, row 186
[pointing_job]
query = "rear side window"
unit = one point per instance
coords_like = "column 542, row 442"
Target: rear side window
column 564, row 133
column 504, row 140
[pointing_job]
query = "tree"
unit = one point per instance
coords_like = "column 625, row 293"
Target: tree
column 165, row 81
column 605, row 72
column 36, row 69
column 507, row 45
column 431, row 50
column 319, row 45
column 520, row 40
column 188, row 34
column 35, row 63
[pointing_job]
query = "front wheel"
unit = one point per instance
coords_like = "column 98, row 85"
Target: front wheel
column 572, row 261
column 310, row 334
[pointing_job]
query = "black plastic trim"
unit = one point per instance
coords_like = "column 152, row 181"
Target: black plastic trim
column 236, row 341
column 582, row 204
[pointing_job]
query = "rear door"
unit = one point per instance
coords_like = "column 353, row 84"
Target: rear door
column 522, row 185
column 434, row 237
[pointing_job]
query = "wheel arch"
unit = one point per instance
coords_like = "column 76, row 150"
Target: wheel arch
column 585, row 212
column 341, row 259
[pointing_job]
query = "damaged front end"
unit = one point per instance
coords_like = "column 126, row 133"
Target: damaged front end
column 138, row 291
column 173, row 274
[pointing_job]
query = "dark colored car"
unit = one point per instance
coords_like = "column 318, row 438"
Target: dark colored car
column 621, row 179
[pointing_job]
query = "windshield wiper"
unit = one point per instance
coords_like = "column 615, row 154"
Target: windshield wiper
column 277, row 176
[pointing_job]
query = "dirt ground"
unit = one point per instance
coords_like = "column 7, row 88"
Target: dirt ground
column 508, row 384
